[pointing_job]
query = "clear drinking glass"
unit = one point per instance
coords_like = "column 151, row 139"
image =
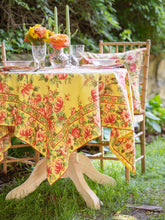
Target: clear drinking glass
column 39, row 54
column 77, row 52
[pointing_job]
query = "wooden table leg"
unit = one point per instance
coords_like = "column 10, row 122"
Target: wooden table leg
column 78, row 165
column 35, row 179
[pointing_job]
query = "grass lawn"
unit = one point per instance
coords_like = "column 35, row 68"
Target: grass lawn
column 61, row 201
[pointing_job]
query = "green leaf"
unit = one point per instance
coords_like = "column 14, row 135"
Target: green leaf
column 155, row 126
column 156, row 101
column 152, row 116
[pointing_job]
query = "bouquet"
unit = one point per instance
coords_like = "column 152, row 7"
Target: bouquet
column 59, row 41
column 37, row 35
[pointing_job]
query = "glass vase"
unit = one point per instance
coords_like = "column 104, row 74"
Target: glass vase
column 57, row 57
column 39, row 54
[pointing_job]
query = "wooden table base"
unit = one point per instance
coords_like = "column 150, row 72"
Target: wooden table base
column 78, row 165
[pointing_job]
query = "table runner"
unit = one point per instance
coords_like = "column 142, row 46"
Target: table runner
column 58, row 111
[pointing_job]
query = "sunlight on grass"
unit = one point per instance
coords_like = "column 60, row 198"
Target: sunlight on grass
column 62, row 201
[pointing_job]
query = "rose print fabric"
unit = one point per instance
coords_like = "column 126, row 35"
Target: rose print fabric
column 132, row 60
column 58, row 113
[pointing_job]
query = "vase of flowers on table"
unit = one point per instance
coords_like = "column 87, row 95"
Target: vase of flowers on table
column 38, row 36
column 57, row 56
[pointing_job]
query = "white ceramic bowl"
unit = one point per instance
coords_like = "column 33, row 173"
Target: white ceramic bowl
column 104, row 62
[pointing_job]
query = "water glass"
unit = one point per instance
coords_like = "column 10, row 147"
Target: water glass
column 77, row 52
column 39, row 54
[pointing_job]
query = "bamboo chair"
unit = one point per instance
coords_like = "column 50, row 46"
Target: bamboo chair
column 138, row 118
column 7, row 158
column 3, row 52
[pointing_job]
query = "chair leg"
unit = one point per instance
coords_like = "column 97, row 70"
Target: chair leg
column 101, row 149
column 127, row 174
column 142, row 138
column 37, row 157
column 4, row 163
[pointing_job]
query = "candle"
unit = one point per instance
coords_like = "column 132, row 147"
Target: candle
column 55, row 21
column 67, row 21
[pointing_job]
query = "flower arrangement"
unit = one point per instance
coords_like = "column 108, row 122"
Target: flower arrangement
column 37, row 35
column 59, row 41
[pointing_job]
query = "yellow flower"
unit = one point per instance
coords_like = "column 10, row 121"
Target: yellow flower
column 35, row 36
column 31, row 31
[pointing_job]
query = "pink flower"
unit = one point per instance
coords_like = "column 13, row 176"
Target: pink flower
column 130, row 58
column 38, row 98
column 58, row 105
column 87, row 132
column 101, row 88
column 132, row 67
column 70, row 140
column 64, row 150
column 96, row 120
column 94, row 95
column 73, row 111
column 48, row 110
column 41, row 31
column 125, row 116
column 62, row 76
column 45, row 99
column 128, row 146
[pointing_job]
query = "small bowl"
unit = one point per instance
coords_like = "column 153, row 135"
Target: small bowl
column 104, row 62
column 18, row 63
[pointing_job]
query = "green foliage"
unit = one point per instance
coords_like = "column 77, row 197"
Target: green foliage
column 145, row 19
column 22, row 4
column 109, row 20
column 14, row 41
column 155, row 115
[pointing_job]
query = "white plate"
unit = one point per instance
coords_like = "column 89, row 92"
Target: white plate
column 104, row 62
column 19, row 63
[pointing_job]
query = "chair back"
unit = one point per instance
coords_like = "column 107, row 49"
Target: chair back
column 116, row 47
column 3, row 52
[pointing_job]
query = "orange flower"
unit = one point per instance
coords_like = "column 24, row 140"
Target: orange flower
column 110, row 119
column 75, row 132
column 95, row 95
column 40, row 135
column 27, row 132
column 2, row 115
column 18, row 120
column 58, row 166
column 27, row 89
column 59, row 41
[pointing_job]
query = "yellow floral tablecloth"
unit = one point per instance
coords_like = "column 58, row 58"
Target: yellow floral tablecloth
column 58, row 111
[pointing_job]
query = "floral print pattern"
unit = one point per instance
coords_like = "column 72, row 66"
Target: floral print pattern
column 58, row 114
column 132, row 60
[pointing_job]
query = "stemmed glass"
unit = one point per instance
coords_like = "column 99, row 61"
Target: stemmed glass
column 77, row 52
column 39, row 54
